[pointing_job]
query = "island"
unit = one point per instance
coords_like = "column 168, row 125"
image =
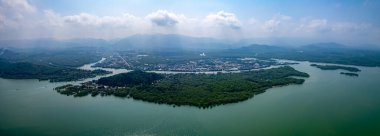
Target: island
column 200, row 90
column 336, row 67
column 349, row 74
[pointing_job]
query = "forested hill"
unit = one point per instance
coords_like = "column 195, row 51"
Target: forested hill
column 75, row 56
column 75, row 53
column 201, row 90
column 133, row 78
column 322, row 52
column 24, row 70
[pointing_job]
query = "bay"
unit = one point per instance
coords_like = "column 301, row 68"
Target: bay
column 328, row 103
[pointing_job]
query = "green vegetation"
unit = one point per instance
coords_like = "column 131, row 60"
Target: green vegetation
column 23, row 70
column 72, row 58
column 67, row 57
column 349, row 74
column 322, row 52
column 133, row 78
column 335, row 67
column 201, row 90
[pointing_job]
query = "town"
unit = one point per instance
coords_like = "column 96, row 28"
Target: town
column 199, row 63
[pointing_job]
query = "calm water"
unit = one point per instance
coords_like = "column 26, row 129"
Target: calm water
column 326, row 104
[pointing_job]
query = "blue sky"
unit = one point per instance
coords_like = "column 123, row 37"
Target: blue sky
column 344, row 10
column 347, row 21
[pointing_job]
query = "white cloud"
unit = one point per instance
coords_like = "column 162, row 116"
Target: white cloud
column 223, row 19
column 314, row 25
column 19, row 19
column 2, row 21
column 253, row 21
column 16, row 9
column 273, row 24
column 19, row 5
column 16, row 17
column 317, row 23
column 350, row 27
column 94, row 20
column 85, row 25
column 324, row 26
column 164, row 18
column 53, row 19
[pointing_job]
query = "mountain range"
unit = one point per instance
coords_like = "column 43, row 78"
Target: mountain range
column 76, row 52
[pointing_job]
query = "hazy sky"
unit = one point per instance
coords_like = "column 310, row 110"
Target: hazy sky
column 347, row 21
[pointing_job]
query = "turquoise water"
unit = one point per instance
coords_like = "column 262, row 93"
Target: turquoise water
column 328, row 103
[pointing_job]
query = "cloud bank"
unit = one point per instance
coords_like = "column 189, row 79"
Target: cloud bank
column 21, row 20
column 163, row 18
column 223, row 19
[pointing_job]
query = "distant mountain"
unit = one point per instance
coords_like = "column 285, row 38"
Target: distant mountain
column 169, row 42
column 51, row 44
column 320, row 52
column 260, row 48
column 8, row 54
column 64, row 57
column 76, row 52
column 155, row 42
column 25, row 70
column 329, row 45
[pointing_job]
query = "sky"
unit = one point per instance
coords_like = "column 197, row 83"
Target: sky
column 344, row 21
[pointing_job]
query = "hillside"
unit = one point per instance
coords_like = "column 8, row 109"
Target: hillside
column 164, row 42
column 321, row 52
column 24, row 70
